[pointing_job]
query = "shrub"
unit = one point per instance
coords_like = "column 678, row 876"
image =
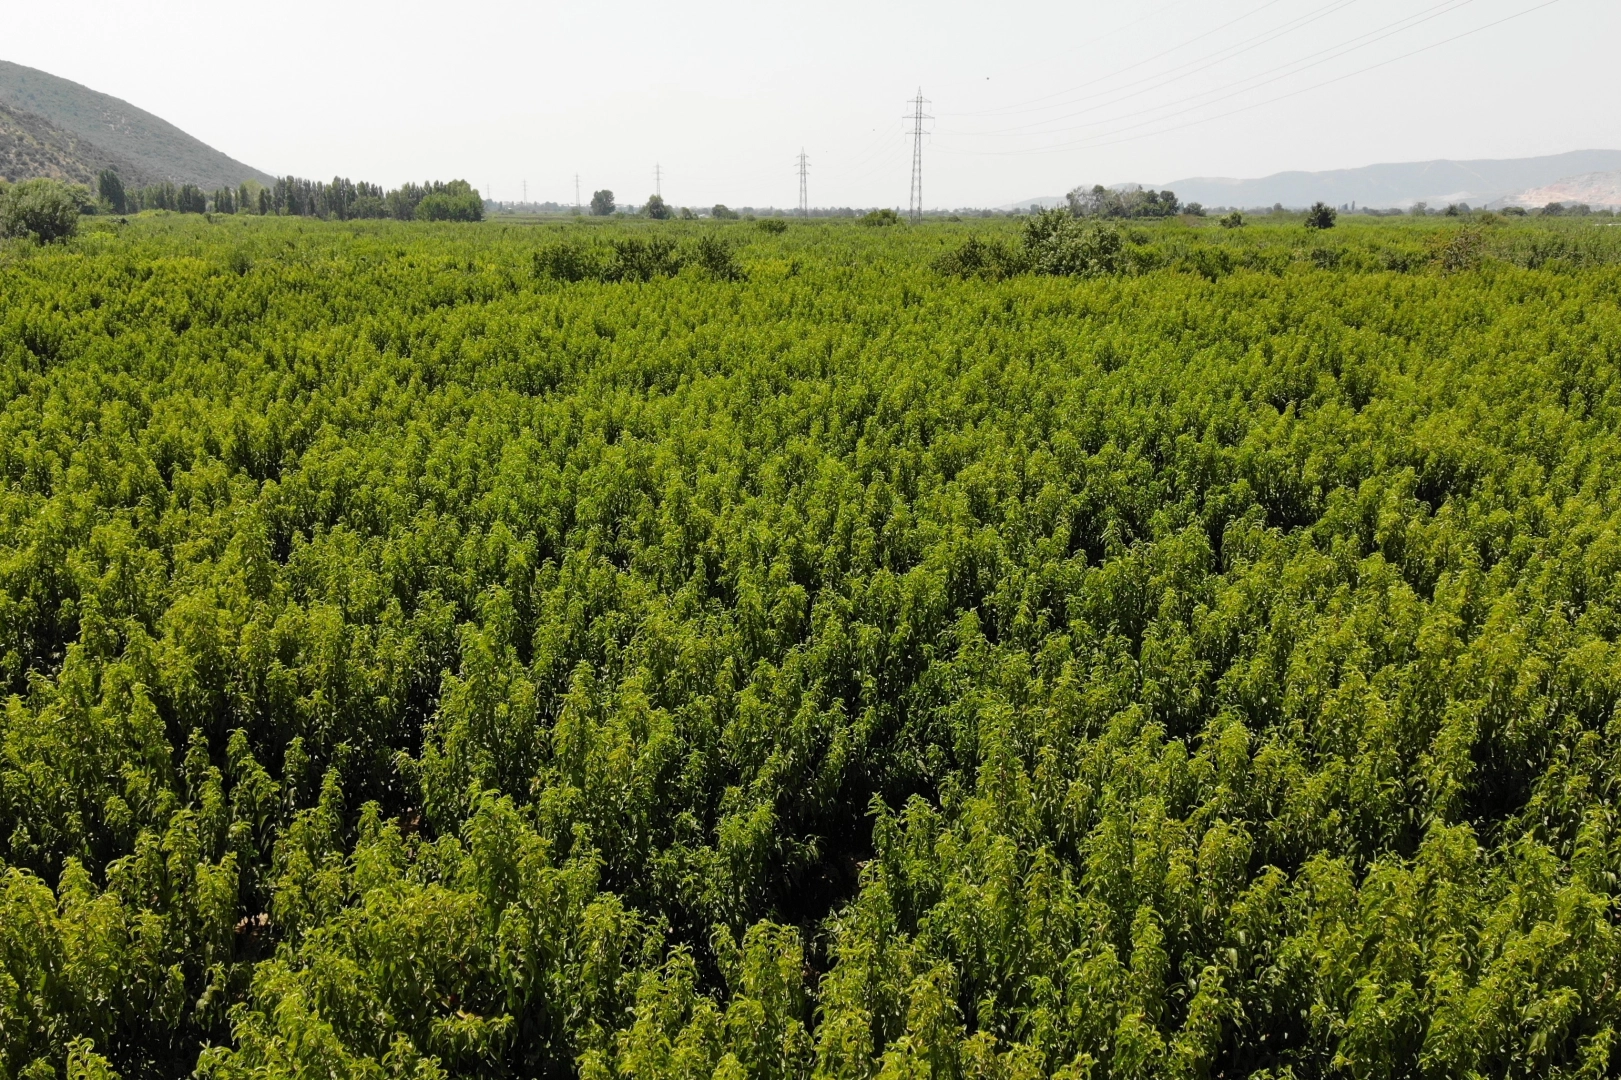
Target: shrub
column 722, row 212
column 44, row 210
column 1463, row 251
column 982, row 258
column 774, row 226
column 884, row 216
column 639, row 259
column 1057, row 243
column 1233, row 220
column 567, row 261
column 715, row 256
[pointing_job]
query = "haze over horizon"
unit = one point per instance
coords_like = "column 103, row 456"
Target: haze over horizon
column 723, row 95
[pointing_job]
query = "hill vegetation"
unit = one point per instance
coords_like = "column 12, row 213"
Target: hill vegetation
column 31, row 146
column 107, row 131
column 1178, row 651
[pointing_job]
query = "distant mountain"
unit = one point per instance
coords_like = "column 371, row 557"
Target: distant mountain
column 33, row 146
column 100, row 124
column 1397, row 185
column 1046, row 202
column 1596, row 189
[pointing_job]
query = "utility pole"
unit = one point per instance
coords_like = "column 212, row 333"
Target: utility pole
column 576, row 193
column 804, row 200
column 917, row 117
column 658, row 180
column 526, row 191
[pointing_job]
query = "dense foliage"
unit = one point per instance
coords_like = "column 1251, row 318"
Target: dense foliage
column 420, row 662
column 42, row 210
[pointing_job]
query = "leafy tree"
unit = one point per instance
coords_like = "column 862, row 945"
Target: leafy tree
column 719, row 211
column 448, row 206
column 110, row 189
column 1233, row 219
column 881, row 217
column 1321, row 216
column 657, row 209
column 602, row 203
column 43, row 210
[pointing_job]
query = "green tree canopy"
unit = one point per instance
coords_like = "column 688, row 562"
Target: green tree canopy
column 110, row 189
column 44, row 210
column 1321, row 216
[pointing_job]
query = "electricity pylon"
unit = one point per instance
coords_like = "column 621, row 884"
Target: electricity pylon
column 917, row 117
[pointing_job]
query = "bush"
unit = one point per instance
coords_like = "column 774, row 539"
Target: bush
column 982, row 258
column 774, row 226
column 1057, row 243
column 567, row 261
column 885, row 216
column 1463, row 251
column 45, row 210
column 638, row 259
column 1234, row 220
column 715, row 255
column 722, row 212
column 1321, row 216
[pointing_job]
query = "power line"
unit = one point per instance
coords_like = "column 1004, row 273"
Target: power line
column 917, row 133
column 1181, row 71
column 1248, row 82
column 1129, row 67
column 1107, row 139
column 804, row 200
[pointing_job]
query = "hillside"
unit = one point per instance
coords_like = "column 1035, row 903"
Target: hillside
column 154, row 148
column 1397, row 184
column 33, row 146
column 1388, row 185
column 1596, row 189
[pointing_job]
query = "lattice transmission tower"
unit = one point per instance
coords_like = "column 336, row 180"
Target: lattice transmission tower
column 804, row 197
column 917, row 116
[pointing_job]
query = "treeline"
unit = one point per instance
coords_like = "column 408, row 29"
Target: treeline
column 1132, row 202
column 340, row 199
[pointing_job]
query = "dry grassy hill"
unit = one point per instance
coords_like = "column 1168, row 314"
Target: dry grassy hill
column 32, row 146
column 92, row 126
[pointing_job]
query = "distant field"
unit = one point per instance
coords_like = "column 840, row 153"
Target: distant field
column 774, row 655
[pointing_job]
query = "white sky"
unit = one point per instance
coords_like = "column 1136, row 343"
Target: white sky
column 1029, row 100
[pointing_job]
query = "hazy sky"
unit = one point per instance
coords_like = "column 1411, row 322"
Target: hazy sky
column 1028, row 99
